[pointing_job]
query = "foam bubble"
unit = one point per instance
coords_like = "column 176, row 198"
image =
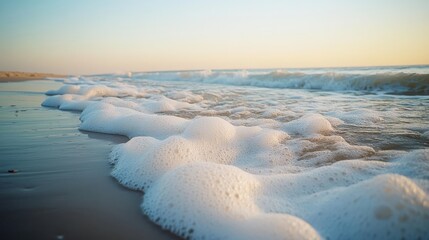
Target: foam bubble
column 164, row 104
column 70, row 89
column 273, row 226
column 359, row 117
column 74, row 97
column 221, row 195
column 185, row 96
column 309, row 124
column 390, row 206
column 210, row 129
column 106, row 118
column 413, row 164
column 67, row 102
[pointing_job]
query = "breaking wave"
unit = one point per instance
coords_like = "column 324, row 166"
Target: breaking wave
column 387, row 82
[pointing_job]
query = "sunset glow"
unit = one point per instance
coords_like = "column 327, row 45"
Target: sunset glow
column 82, row 37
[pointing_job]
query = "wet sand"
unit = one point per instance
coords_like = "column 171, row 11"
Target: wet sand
column 62, row 188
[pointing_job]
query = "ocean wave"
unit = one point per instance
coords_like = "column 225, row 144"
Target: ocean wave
column 222, row 162
column 388, row 82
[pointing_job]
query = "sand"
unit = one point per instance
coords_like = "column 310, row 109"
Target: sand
column 62, row 188
column 9, row 76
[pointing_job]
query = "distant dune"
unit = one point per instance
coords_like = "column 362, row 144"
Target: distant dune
column 6, row 76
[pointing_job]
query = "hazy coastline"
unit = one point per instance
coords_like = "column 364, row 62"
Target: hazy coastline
column 14, row 76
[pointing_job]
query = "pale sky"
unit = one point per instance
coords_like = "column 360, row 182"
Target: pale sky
column 106, row 36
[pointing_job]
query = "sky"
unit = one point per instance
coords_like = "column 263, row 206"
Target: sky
column 107, row 36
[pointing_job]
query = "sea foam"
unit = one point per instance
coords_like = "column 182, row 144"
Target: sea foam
column 237, row 163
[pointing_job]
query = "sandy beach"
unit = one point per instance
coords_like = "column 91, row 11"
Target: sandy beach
column 62, row 188
column 241, row 120
column 10, row 76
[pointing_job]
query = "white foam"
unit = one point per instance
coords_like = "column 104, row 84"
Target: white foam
column 390, row 206
column 309, row 124
column 220, row 195
column 70, row 89
column 164, row 104
column 414, row 164
column 106, row 118
column 254, row 169
column 185, row 96
column 270, row 113
column 73, row 97
column 358, row 117
column 206, row 139
column 67, row 102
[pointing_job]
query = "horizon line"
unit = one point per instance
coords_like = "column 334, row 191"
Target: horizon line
column 218, row 69
column 250, row 68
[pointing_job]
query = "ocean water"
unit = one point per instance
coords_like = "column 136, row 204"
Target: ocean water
column 338, row 153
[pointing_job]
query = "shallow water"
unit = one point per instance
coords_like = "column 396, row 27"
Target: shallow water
column 303, row 153
column 62, row 187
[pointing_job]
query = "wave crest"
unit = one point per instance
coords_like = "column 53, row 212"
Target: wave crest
column 388, row 82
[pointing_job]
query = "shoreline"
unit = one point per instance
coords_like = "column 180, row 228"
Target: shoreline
column 13, row 76
column 61, row 187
